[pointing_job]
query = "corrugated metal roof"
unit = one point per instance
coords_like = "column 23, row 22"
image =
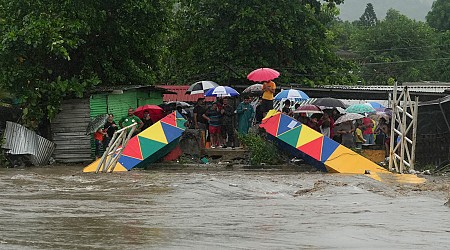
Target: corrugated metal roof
column 110, row 88
column 181, row 95
column 22, row 141
column 414, row 88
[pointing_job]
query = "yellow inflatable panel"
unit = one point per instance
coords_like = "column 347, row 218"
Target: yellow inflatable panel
column 93, row 167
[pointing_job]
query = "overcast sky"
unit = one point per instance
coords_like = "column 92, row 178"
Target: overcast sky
column 415, row 9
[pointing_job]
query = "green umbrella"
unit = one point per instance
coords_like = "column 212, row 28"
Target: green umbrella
column 360, row 109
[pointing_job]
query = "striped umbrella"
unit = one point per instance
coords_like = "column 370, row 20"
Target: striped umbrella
column 201, row 87
column 222, row 91
column 291, row 94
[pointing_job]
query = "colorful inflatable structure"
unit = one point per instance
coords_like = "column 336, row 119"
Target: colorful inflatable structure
column 322, row 152
column 150, row 145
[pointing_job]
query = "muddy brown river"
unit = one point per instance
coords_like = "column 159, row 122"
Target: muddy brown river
column 63, row 208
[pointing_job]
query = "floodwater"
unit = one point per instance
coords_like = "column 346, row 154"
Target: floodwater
column 63, row 208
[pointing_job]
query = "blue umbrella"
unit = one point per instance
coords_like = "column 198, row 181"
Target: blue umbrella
column 376, row 105
column 292, row 94
column 221, row 91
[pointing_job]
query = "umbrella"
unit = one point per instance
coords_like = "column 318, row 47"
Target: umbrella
column 375, row 105
column 255, row 88
column 348, row 117
column 329, row 102
column 379, row 115
column 308, row 108
column 291, row 94
column 96, row 123
column 360, row 109
column 221, row 91
column 179, row 104
column 201, row 87
column 154, row 111
column 263, row 74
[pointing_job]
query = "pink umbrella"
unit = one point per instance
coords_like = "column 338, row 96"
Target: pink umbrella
column 309, row 108
column 263, row 74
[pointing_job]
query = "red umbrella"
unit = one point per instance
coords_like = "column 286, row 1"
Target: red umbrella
column 263, row 74
column 156, row 112
column 309, row 108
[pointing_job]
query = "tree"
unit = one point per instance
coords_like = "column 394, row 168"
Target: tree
column 397, row 47
column 439, row 16
column 225, row 39
column 369, row 18
column 52, row 50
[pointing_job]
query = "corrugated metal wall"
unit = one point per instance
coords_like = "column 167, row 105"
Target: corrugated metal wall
column 69, row 128
column 154, row 97
column 119, row 104
column 22, row 141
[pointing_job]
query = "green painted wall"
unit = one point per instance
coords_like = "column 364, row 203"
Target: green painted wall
column 120, row 103
column 154, row 97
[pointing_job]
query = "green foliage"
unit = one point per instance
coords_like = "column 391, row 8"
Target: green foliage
column 396, row 47
column 224, row 40
column 52, row 50
column 439, row 16
column 261, row 151
column 369, row 18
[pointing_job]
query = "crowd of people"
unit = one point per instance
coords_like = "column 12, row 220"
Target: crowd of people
column 220, row 120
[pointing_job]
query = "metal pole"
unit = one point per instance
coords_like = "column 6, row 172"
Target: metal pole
column 414, row 136
column 393, row 118
column 124, row 143
column 403, row 130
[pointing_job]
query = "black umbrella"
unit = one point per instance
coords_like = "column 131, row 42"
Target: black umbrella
column 96, row 123
column 328, row 102
column 201, row 87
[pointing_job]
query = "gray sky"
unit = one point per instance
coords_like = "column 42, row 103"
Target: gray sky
column 415, row 9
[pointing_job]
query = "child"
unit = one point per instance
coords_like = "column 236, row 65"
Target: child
column 213, row 116
column 98, row 137
column 359, row 139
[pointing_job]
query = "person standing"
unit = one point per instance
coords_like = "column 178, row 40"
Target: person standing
column 146, row 120
column 245, row 115
column 346, row 130
column 368, row 130
column 227, row 130
column 199, row 110
column 359, row 139
column 287, row 108
column 98, row 137
column 259, row 112
column 267, row 97
column 130, row 119
column 213, row 116
column 110, row 127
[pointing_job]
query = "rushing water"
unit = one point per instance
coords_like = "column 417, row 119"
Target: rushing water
column 62, row 208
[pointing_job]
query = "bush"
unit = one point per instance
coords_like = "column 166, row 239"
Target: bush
column 261, row 151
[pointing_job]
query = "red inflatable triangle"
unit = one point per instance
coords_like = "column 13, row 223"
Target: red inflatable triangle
column 133, row 149
column 313, row 148
column 170, row 119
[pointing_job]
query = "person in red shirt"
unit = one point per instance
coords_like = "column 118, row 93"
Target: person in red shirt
column 368, row 130
column 98, row 137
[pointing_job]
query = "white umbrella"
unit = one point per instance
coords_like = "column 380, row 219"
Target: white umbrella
column 348, row 117
column 201, row 87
